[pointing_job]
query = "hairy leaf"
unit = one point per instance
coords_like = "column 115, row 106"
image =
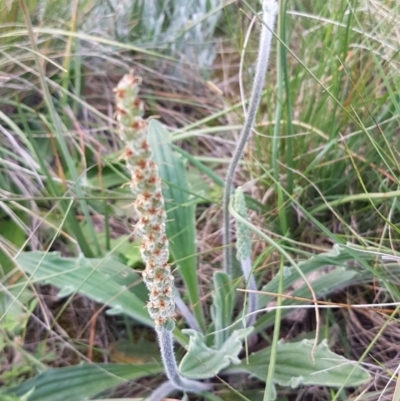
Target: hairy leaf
column 202, row 362
column 224, row 296
column 295, row 366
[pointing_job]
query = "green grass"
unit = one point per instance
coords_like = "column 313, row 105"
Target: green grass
column 322, row 169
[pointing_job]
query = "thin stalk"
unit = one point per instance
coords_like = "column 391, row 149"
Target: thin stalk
column 367, row 196
column 107, row 230
column 277, row 127
column 269, row 383
column 161, row 391
column 289, row 125
column 65, row 78
column 268, row 19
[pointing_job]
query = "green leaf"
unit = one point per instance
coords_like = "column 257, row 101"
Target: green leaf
column 181, row 229
column 12, row 232
column 103, row 280
column 128, row 250
column 126, row 351
column 337, row 256
column 121, row 399
column 203, row 362
column 329, row 282
column 110, row 176
column 13, row 398
column 222, row 308
column 18, row 313
column 295, row 366
column 80, row 382
column 340, row 277
column 201, row 189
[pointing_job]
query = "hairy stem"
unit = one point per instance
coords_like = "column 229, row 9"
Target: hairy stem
column 269, row 12
column 161, row 391
column 165, row 341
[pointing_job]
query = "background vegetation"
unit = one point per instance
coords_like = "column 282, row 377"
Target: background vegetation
column 322, row 171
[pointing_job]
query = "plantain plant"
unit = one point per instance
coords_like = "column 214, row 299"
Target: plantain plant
column 166, row 228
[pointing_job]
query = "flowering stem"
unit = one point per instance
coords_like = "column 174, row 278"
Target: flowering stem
column 149, row 204
column 161, row 391
column 171, row 369
column 270, row 9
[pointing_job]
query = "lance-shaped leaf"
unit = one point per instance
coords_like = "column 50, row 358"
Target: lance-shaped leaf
column 80, row 382
column 296, row 365
column 223, row 302
column 107, row 285
column 181, row 230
